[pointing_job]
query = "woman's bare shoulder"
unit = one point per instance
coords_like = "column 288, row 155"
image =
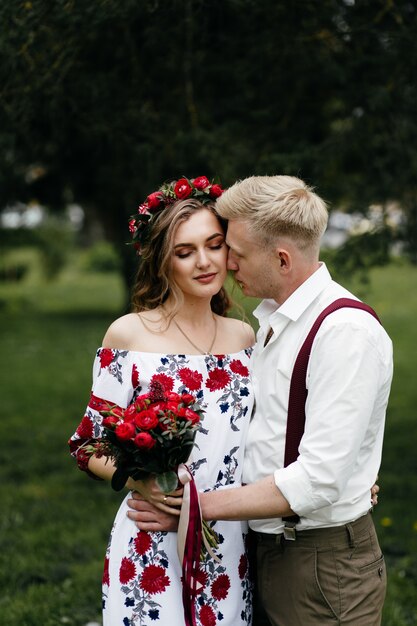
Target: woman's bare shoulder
column 120, row 333
column 242, row 331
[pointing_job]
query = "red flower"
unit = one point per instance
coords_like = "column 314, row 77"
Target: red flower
column 110, row 421
column 243, row 566
column 145, row 441
column 171, row 396
column 202, row 577
column 187, row 398
column 106, row 577
column 154, row 579
column 201, row 182
column 127, row 570
column 130, row 413
column 132, row 226
column 217, row 379
column 125, row 431
column 190, row 378
column 140, row 402
column 106, row 357
column 146, row 420
column 182, row 188
column 135, row 376
column 118, row 412
column 85, row 428
column 215, row 191
column 238, row 368
column 207, row 616
column 189, row 415
column 167, row 382
column 143, row 542
column 154, row 200
column 220, row 587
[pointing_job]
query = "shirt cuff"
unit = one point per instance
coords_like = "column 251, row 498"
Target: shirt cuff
column 295, row 486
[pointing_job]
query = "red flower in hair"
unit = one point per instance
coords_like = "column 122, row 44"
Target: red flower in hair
column 238, row 368
column 207, row 616
column 220, row 587
column 215, row 191
column 217, row 379
column 182, row 188
column 201, row 182
column 143, row 542
column 154, row 579
column 154, row 200
column 127, row 571
column 106, row 357
column 166, row 381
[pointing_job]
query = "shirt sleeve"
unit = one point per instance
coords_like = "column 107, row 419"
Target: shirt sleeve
column 113, row 383
column 344, row 378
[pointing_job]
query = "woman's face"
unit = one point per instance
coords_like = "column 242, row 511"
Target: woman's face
column 199, row 255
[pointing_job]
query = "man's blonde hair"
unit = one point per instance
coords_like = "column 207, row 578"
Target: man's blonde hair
column 276, row 206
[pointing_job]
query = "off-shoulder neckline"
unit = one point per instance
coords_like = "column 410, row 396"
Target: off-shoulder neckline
column 176, row 354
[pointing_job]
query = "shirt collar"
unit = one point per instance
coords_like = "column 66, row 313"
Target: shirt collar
column 298, row 302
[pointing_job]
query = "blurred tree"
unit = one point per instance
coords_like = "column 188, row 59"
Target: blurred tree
column 100, row 102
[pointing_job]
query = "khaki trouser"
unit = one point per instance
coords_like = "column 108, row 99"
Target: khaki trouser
column 327, row 577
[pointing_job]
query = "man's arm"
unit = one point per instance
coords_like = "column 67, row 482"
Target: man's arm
column 258, row 501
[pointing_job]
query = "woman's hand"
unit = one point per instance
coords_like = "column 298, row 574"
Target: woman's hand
column 151, row 518
column 169, row 503
column 374, row 493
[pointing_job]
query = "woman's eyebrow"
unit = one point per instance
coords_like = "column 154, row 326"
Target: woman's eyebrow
column 190, row 245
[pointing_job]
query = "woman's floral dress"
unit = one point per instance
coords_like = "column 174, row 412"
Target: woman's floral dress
column 142, row 573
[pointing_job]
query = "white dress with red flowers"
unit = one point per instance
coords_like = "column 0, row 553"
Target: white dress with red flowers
column 142, row 573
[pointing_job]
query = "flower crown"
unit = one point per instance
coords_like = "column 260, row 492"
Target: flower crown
column 200, row 188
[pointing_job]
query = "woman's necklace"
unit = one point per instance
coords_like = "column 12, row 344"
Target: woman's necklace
column 192, row 342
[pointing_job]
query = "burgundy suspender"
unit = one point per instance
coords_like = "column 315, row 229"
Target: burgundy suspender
column 298, row 392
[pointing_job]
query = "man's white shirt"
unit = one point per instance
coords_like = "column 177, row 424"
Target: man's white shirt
column 348, row 382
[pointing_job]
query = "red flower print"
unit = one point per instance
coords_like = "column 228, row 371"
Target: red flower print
column 143, row 542
column 167, row 382
column 190, row 378
column 207, row 616
column 127, row 571
column 106, row 577
column 106, row 357
column 217, row 379
column 243, row 566
column 154, row 579
column 85, row 428
column 202, row 577
column 220, row 587
column 238, row 368
column 135, row 376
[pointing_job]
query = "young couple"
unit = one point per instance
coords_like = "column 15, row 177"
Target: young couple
column 267, row 230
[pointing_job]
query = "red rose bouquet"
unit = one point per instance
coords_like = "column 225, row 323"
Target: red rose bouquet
column 153, row 435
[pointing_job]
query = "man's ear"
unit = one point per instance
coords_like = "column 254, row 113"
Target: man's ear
column 284, row 259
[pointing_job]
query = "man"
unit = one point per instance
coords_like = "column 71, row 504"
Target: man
column 333, row 572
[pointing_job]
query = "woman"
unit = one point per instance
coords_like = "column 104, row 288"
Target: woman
column 178, row 335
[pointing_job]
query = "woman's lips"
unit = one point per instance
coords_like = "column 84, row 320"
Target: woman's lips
column 205, row 278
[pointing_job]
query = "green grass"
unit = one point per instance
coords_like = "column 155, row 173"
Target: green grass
column 54, row 521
